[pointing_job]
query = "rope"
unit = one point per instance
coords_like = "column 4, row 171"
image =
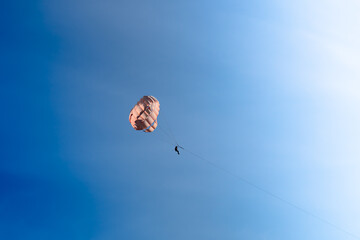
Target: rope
column 169, row 133
column 171, row 136
column 269, row 193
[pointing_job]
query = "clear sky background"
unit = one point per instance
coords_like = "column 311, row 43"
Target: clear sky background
column 267, row 89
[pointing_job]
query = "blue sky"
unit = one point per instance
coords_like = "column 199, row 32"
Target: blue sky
column 266, row 89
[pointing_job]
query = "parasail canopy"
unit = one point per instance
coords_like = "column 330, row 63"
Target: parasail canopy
column 144, row 114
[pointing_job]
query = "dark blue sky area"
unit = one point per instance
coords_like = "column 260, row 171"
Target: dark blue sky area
column 40, row 198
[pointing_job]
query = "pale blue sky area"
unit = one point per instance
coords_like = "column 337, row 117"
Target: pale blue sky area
column 266, row 89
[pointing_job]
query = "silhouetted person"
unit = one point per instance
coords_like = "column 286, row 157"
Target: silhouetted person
column 177, row 150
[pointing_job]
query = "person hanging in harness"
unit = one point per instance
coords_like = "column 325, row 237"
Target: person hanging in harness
column 177, row 149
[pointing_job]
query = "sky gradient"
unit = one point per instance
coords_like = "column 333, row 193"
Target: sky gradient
column 266, row 89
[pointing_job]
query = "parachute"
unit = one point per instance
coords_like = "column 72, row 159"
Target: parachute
column 144, row 114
